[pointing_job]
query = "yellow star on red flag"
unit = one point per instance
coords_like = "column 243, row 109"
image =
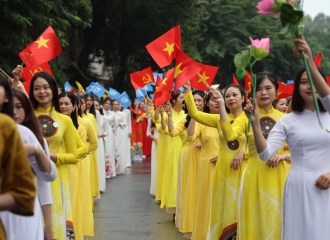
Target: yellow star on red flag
column 204, row 76
column 42, row 42
column 169, row 48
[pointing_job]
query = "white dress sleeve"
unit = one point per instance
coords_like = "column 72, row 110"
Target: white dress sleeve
column 44, row 192
column 275, row 140
column 128, row 113
column 326, row 102
column 28, row 136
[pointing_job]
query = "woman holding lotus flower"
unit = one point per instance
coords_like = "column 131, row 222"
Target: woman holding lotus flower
column 306, row 194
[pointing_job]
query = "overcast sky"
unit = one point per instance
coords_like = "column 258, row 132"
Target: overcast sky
column 313, row 7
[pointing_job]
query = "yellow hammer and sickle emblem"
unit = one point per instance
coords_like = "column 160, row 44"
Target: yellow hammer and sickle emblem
column 38, row 69
column 146, row 79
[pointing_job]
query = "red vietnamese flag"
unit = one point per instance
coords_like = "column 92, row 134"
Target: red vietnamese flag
column 160, row 97
column 167, row 83
column 164, row 48
column 27, row 57
column 328, row 80
column 45, row 48
column 284, row 91
column 208, row 72
column 141, row 78
column 235, row 81
column 185, row 69
column 248, row 81
column 318, row 59
column 28, row 73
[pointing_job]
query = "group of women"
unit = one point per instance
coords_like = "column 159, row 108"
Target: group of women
column 225, row 178
column 73, row 145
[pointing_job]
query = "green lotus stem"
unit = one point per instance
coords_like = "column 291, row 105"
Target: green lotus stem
column 254, row 89
column 310, row 80
column 309, row 77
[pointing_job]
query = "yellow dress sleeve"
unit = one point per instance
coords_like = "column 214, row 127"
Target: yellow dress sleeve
column 16, row 176
column 152, row 114
column 197, row 132
column 179, row 128
column 207, row 119
column 233, row 131
column 71, row 155
column 165, row 131
column 81, row 148
column 92, row 138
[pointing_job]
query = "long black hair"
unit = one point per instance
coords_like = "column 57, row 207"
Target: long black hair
column 53, row 86
column 8, row 105
column 30, row 121
column 297, row 100
column 240, row 88
column 73, row 102
column 92, row 109
column 202, row 94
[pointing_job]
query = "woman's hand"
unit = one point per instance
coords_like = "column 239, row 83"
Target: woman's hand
column 237, row 161
column 149, row 102
column 197, row 145
column 300, row 45
column 274, row 160
column 323, row 181
column 217, row 96
column 214, row 160
column 187, row 87
column 168, row 109
column 249, row 108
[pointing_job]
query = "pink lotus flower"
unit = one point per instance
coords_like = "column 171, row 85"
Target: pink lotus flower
column 263, row 43
column 265, row 7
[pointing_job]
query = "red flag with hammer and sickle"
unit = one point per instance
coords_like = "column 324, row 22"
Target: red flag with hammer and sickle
column 141, row 78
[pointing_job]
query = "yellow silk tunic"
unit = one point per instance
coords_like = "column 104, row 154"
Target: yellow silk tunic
column 189, row 158
column 262, row 187
column 75, row 188
column 87, row 134
column 16, row 174
column 58, row 130
column 94, row 163
column 226, row 181
column 170, row 176
column 161, row 153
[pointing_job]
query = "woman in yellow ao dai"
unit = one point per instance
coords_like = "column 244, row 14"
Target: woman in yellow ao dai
column 58, row 130
column 263, row 182
column 173, row 147
column 188, row 168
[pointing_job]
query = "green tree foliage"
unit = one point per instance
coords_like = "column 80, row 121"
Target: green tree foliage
column 24, row 21
column 116, row 32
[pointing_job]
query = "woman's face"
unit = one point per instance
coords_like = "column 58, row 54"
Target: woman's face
column 115, row 105
column 234, row 98
column 305, row 89
column 282, row 105
column 141, row 105
column 199, row 101
column 83, row 105
column 19, row 112
column 107, row 105
column 89, row 102
column 42, row 92
column 265, row 93
column 97, row 105
column 3, row 97
column 179, row 100
column 213, row 105
column 66, row 106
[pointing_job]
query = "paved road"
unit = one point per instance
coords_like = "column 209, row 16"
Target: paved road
column 127, row 211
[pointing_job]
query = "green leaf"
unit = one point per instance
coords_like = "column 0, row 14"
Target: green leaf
column 258, row 53
column 240, row 73
column 241, row 60
column 288, row 31
column 290, row 15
